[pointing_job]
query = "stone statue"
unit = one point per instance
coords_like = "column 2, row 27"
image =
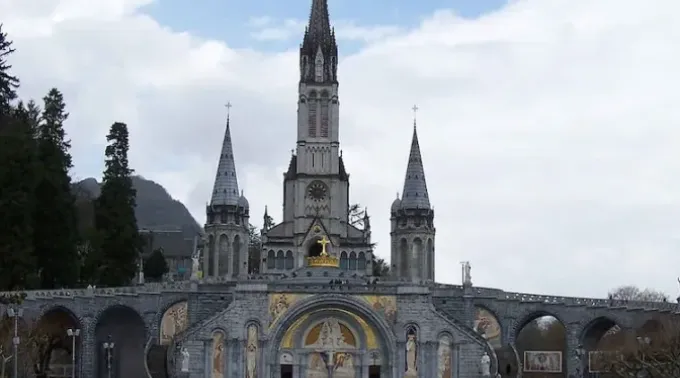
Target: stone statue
column 486, row 365
column 251, row 352
column 411, row 350
column 195, row 265
column 185, row 360
column 467, row 278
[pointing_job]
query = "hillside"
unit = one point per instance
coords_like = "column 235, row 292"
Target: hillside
column 156, row 209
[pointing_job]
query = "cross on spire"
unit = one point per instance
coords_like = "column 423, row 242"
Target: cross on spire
column 415, row 113
column 228, row 106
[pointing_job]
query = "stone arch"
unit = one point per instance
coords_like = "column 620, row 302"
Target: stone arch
column 533, row 348
column 445, row 361
column 173, row 321
column 271, row 259
column 211, row 256
column 280, row 260
column 313, row 246
column 361, row 261
column 125, row 327
column 416, row 257
column 403, row 257
column 223, row 259
column 236, row 255
column 488, row 325
column 54, row 322
column 336, row 302
column 290, row 261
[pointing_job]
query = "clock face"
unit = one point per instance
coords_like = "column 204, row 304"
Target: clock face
column 317, row 191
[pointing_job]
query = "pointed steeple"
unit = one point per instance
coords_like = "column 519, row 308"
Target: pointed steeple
column 319, row 51
column 414, row 195
column 225, row 189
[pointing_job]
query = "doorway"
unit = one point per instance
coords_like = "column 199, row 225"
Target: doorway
column 286, row 371
column 374, row 371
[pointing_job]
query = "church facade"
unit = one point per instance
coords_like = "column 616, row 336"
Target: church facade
column 281, row 324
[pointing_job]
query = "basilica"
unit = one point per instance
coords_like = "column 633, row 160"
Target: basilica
column 315, row 309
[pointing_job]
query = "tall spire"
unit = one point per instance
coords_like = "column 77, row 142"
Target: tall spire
column 318, row 45
column 414, row 195
column 225, row 190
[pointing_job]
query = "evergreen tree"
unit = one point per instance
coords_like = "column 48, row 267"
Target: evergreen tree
column 155, row 266
column 8, row 83
column 17, row 167
column 55, row 235
column 118, row 241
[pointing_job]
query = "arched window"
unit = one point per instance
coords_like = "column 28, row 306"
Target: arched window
column 290, row 263
column 343, row 261
column 324, row 114
column 352, row 261
column 271, row 259
column 280, row 260
column 361, row 262
column 312, row 105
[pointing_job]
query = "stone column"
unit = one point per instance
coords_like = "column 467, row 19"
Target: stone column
column 575, row 366
column 88, row 348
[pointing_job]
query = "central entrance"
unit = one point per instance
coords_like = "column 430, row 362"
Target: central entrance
column 330, row 343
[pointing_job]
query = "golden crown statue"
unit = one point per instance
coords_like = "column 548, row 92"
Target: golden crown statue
column 324, row 259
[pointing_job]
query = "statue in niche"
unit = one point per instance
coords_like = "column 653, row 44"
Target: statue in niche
column 411, row 356
column 218, row 356
column 251, row 352
column 485, row 365
column 185, row 360
column 444, row 358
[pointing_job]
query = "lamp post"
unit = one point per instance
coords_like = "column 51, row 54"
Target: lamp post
column 73, row 333
column 108, row 348
column 15, row 313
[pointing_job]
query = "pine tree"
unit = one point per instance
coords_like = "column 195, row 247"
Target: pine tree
column 155, row 266
column 119, row 243
column 17, row 167
column 55, row 231
column 8, row 83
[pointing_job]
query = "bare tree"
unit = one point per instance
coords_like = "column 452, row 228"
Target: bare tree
column 633, row 293
column 653, row 354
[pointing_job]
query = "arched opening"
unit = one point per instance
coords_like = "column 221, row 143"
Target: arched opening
column 314, row 249
column 218, row 355
column 271, row 259
column 430, row 259
column 120, row 335
column 236, row 255
column 211, row 256
column 416, row 257
column 601, row 338
column 55, row 353
column 173, row 322
column 361, row 261
column 541, row 343
column 280, row 260
column 223, row 259
column 344, row 262
column 403, row 257
column 290, row 262
column 352, row 261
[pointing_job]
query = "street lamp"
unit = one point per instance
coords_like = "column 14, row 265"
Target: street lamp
column 73, row 333
column 108, row 348
column 15, row 314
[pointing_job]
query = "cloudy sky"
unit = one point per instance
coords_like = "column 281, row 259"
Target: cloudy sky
column 547, row 126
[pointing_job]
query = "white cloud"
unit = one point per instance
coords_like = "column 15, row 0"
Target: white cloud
column 548, row 128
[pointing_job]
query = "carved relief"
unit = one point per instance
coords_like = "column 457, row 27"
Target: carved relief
column 174, row 321
column 218, row 357
column 252, row 351
column 332, row 342
column 444, row 358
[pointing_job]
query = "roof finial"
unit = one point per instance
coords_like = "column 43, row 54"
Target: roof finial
column 415, row 113
column 228, row 106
